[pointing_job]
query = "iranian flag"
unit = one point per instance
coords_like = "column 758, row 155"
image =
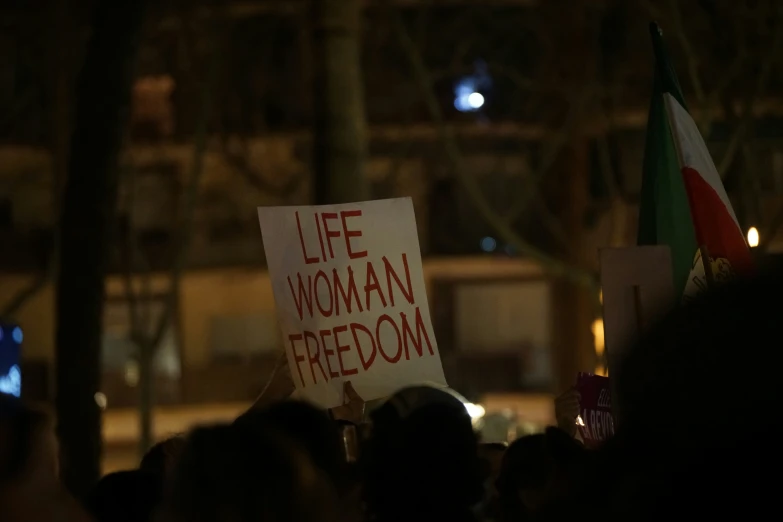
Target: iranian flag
column 683, row 201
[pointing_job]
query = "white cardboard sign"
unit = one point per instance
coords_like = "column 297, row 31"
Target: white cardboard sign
column 638, row 290
column 351, row 299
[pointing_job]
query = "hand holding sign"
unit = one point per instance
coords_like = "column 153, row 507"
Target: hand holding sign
column 351, row 299
column 279, row 387
column 567, row 410
column 353, row 406
column 595, row 409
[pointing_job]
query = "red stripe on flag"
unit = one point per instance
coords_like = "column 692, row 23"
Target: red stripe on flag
column 715, row 227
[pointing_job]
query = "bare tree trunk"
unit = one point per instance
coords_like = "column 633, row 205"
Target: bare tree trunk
column 146, row 395
column 150, row 342
column 103, row 96
column 339, row 140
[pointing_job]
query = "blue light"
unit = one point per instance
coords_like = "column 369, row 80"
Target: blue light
column 488, row 244
column 17, row 335
column 11, row 384
column 466, row 96
column 470, row 91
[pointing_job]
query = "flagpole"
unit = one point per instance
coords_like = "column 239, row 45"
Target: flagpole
column 707, row 263
column 664, row 69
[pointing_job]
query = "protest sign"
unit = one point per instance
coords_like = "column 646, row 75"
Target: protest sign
column 638, row 289
column 351, row 299
column 595, row 409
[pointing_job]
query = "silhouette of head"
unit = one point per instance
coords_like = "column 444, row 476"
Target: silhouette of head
column 537, row 470
column 126, row 496
column 245, row 475
column 312, row 429
column 422, row 461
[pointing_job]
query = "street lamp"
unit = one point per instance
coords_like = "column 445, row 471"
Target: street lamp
column 753, row 237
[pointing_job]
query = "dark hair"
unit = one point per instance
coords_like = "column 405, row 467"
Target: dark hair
column 432, row 453
column 160, row 457
column 19, row 425
column 311, row 428
column 125, row 496
column 712, row 363
column 226, row 472
column 723, row 342
column 531, row 462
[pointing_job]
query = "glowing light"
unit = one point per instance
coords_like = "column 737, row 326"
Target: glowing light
column 469, row 101
column 131, row 373
column 101, row 400
column 488, row 244
column 753, row 237
column 598, row 336
column 11, row 384
column 466, row 96
column 476, row 411
column 475, row 100
column 17, row 335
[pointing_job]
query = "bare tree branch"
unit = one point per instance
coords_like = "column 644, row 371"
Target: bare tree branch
column 617, row 206
column 472, row 189
column 38, row 283
column 130, row 265
column 555, row 146
column 690, row 54
column 747, row 118
column 706, row 101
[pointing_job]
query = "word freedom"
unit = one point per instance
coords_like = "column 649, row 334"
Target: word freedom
column 331, row 293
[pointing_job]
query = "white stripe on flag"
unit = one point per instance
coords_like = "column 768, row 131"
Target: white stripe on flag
column 693, row 152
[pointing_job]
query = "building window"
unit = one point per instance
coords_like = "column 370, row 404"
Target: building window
column 245, row 336
column 499, row 319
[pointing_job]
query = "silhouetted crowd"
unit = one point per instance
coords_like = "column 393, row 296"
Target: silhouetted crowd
column 695, row 440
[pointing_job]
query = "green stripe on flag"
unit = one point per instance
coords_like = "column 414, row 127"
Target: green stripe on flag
column 664, row 212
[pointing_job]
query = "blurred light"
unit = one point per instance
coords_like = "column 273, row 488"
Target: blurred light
column 101, row 400
column 753, row 237
column 466, row 97
column 17, row 335
column 469, row 101
column 11, row 384
column 470, row 90
column 131, row 373
column 488, row 244
column 476, row 411
column 598, row 336
column 475, row 100
column 579, row 421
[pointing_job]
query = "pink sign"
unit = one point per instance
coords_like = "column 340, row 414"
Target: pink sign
column 595, row 409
